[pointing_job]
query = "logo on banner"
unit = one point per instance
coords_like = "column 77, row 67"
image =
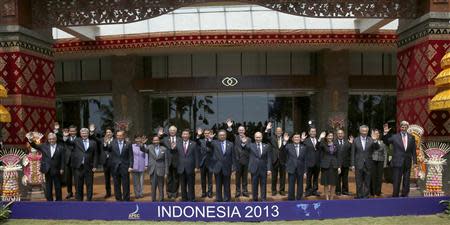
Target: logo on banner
column 229, row 81
column 310, row 209
column 135, row 215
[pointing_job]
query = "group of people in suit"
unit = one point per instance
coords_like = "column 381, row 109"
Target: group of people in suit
column 175, row 160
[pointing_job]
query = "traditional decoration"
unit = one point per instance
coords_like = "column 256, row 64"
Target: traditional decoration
column 337, row 121
column 12, row 159
column 5, row 117
column 441, row 101
column 32, row 163
column 417, row 131
column 57, row 13
column 435, row 153
column 123, row 125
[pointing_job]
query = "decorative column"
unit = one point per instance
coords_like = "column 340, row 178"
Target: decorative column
column 26, row 71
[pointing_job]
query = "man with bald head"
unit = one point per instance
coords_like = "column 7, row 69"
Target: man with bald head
column 172, row 177
column 52, row 165
column 260, row 164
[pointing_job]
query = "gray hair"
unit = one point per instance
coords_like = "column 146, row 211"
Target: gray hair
column 363, row 127
column 50, row 135
column 404, row 123
column 173, row 128
column 84, row 129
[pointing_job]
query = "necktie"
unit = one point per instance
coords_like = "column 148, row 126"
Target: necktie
column 157, row 150
column 297, row 150
column 363, row 143
column 120, row 147
column 52, row 150
column 314, row 142
column 279, row 142
column 185, row 147
column 260, row 149
column 86, row 144
column 340, row 142
column 224, row 147
column 405, row 140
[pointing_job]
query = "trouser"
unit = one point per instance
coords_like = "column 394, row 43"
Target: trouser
column 312, row 180
column 50, row 181
column 138, row 184
column 223, row 182
column 121, row 179
column 295, row 178
column 69, row 175
column 107, row 175
column 241, row 177
column 206, row 179
column 342, row 182
column 157, row 182
column 187, row 184
column 376, row 177
column 172, row 182
column 401, row 175
column 84, row 175
column 278, row 169
column 261, row 180
column 362, row 176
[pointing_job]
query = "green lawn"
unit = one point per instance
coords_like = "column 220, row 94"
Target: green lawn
column 399, row 220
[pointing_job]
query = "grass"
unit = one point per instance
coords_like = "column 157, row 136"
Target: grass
column 398, row 220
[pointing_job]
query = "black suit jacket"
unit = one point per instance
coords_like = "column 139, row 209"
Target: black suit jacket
column 50, row 164
column 219, row 161
column 117, row 158
column 295, row 163
column 277, row 155
column 187, row 162
column 241, row 155
column 259, row 164
column 344, row 153
column 68, row 149
column 362, row 157
column 165, row 141
column 327, row 158
column 78, row 152
column 204, row 153
column 312, row 152
column 400, row 156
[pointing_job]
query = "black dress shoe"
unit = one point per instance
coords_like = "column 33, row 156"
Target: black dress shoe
column 204, row 195
column 317, row 193
column 338, row 193
column 346, row 193
column 307, row 195
column 107, row 196
column 237, row 195
column 209, row 195
column 69, row 196
column 245, row 194
column 274, row 193
column 282, row 193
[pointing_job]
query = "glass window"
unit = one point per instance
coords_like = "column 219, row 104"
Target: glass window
column 301, row 62
column 255, row 110
column 372, row 63
column 278, row 63
column 204, row 65
column 229, row 64
column 58, row 71
column 355, row 63
column 72, row 70
column 105, row 67
column 180, row 112
column 253, row 63
column 158, row 66
column 227, row 103
column 180, row 65
column 90, row 69
column 204, row 110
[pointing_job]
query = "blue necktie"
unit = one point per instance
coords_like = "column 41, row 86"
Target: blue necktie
column 157, row 150
column 120, row 147
column 224, row 148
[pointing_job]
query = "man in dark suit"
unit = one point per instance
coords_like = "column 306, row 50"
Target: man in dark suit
column 222, row 159
column 158, row 165
column 52, row 165
column 361, row 161
column 187, row 154
column 172, row 177
column 84, row 160
column 344, row 148
column 278, row 158
column 205, row 162
column 404, row 151
column 68, row 170
column 104, row 160
column 260, row 164
column 313, row 163
column 241, row 157
column 121, row 161
column 295, row 165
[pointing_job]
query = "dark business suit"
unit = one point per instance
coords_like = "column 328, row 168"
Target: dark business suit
column 69, row 173
column 205, row 167
column 241, row 157
column 362, row 161
column 296, row 168
column 83, row 161
column 313, row 164
column 158, row 166
column 187, row 157
column 345, row 155
column 120, row 160
column 401, row 162
column 51, row 165
column 258, row 166
column 278, row 162
column 222, row 167
column 104, row 160
column 172, row 178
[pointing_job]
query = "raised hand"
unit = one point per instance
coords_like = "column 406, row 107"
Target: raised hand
column 92, row 127
column 65, row 133
column 322, row 135
column 286, row 137
column 160, row 131
column 372, row 135
column 269, row 126
column 386, row 128
column 56, row 126
column 173, row 145
column 303, row 136
column 350, row 139
column 244, row 139
column 144, row 139
column 229, row 123
column 199, row 132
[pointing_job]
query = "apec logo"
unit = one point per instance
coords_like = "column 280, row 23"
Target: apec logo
column 229, row 81
column 135, row 215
